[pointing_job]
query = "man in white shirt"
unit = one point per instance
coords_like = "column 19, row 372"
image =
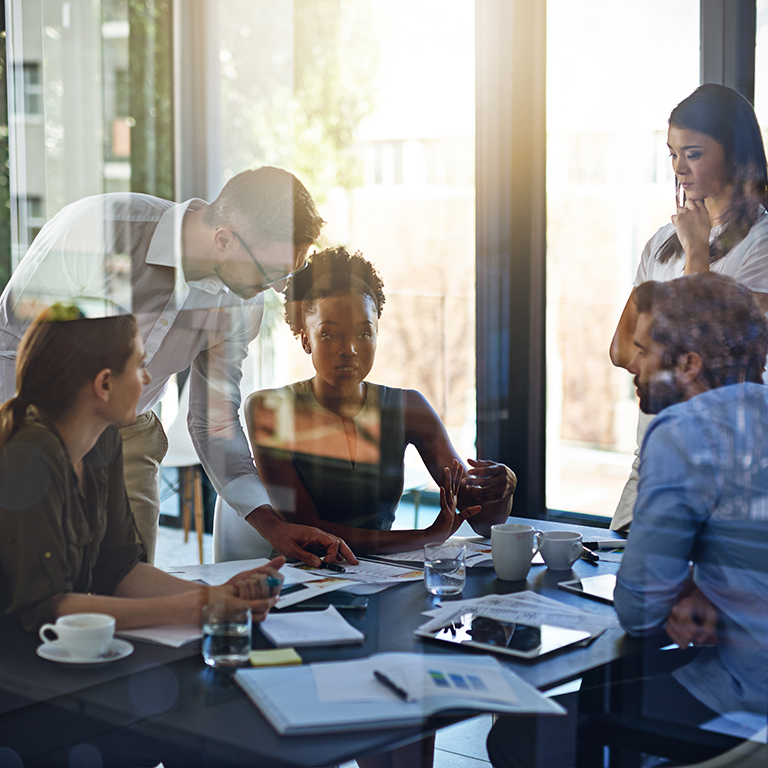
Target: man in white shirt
column 193, row 274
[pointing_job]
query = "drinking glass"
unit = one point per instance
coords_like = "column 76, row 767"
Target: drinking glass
column 445, row 571
column 226, row 635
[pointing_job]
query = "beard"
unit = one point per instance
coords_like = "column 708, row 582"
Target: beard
column 660, row 392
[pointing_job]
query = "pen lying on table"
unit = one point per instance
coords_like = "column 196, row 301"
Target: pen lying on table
column 588, row 555
column 606, row 544
column 393, row 686
column 333, row 567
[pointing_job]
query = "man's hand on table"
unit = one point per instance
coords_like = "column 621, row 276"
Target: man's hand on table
column 693, row 621
column 302, row 542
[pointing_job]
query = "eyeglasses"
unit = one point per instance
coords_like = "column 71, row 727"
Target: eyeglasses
column 267, row 279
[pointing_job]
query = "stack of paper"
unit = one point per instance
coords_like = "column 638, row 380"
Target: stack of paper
column 326, row 627
column 312, row 583
column 478, row 554
column 371, row 572
column 171, row 635
column 522, row 608
column 348, row 696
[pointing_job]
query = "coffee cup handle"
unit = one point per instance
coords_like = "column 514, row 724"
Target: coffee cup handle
column 48, row 628
column 537, row 536
column 577, row 550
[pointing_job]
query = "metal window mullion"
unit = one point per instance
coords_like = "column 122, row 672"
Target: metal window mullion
column 728, row 31
column 511, row 237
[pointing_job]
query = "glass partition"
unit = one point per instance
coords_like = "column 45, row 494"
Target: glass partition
column 371, row 103
column 609, row 188
column 90, row 94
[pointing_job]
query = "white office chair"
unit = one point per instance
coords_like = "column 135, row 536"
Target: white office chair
column 182, row 456
column 233, row 538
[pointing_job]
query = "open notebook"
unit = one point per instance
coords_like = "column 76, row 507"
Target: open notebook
column 347, row 696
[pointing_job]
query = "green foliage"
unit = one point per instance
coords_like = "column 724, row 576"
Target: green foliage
column 151, row 96
column 298, row 79
column 336, row 62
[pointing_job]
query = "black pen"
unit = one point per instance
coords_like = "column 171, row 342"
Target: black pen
column 588, row 555
column 394, row 687
column 333, row 567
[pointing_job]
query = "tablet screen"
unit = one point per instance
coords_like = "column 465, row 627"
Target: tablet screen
column 507, row 637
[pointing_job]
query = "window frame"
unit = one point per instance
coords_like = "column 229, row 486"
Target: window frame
column 511, row 222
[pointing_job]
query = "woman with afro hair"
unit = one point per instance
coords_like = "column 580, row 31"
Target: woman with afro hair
column 331, row 449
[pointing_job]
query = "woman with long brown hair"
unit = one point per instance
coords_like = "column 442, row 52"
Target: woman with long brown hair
column 68, row 541
column 720, row 223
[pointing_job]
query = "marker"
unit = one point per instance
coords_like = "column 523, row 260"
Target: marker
column 333, row 567
column 588, row 555
column 393, row 686
column 275, row 584
column 606, row 544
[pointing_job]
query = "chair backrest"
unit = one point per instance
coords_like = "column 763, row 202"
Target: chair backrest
column 181, row 452
column 749, row 754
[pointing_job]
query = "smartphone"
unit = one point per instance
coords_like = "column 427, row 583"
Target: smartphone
column 343, row 601
column 597, row 587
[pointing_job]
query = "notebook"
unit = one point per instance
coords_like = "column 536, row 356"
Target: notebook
column 348, row 695
column 326, row 627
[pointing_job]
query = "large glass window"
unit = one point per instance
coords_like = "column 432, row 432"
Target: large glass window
column 761, row 66
column 614, row 73
column 91, row 104
column 371, row 103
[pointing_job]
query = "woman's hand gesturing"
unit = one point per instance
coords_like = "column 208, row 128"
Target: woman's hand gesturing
column 450, row 518
column 489, row 481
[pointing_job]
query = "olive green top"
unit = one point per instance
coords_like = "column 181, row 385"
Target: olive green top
column 56, row 534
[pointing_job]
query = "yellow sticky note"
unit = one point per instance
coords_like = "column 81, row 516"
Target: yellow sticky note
column 278, row 657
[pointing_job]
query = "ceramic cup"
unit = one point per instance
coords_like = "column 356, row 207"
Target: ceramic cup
column 513, row 547
column 81, row 635
column 560, row 549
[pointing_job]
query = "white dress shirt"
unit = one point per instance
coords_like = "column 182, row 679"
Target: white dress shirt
column 122, row 253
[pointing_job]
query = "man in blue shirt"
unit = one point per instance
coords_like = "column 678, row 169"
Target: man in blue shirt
column 703, row 493
column 696, row 562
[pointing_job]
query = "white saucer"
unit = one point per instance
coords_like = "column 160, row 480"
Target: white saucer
column 118, row 649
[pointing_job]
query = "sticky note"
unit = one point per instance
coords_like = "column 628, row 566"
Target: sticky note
column 277, row 657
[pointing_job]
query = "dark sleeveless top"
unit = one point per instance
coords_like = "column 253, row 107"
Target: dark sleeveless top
column 361, row 494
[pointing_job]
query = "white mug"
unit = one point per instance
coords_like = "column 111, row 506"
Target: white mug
column 81, row 635
column 512, row 548
column 560, row 549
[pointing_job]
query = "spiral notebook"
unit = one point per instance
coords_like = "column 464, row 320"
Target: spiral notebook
column 326, row 627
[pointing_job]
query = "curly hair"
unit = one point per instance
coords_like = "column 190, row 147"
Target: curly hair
column 267, row 202
column 712, row 315
column 726, row 116
column 330, row 271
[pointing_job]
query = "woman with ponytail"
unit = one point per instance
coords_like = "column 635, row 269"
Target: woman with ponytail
column 68, row 542
column 720, row 223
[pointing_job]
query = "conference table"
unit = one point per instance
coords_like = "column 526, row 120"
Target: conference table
column 167, row 701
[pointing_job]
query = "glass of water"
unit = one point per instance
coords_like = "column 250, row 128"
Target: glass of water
column 445, row 570
column 226, row 635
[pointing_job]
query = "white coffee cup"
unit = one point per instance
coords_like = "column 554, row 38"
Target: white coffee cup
column 560, row 549
column 81, row 635
column 513, row 547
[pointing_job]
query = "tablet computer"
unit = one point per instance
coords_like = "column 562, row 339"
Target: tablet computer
column 597, row 587
column 515, row 639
